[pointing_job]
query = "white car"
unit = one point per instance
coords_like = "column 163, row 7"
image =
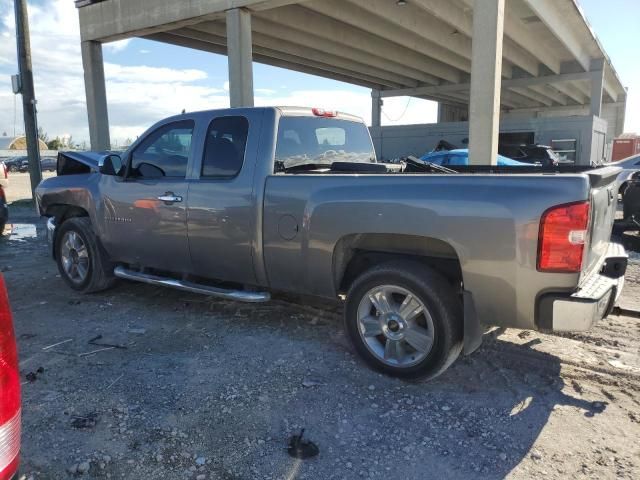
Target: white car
column 630, row 169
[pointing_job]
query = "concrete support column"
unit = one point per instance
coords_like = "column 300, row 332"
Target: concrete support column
column 486, row 68
column 96, row 93
column 620, row 117
column 376, row 108
column 240, row 57
column 597, row 85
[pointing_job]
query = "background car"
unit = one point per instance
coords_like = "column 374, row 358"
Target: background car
column 47, row 164
column 14, row 163
column 461, row 157
column 630, row 171
column 540, row 154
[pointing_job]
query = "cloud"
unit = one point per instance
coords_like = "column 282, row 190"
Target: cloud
column 123, row 74
column 118, row 45
column 264, row 91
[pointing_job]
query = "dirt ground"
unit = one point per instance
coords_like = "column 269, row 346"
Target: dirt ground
column 20, row 186
column 208, row 389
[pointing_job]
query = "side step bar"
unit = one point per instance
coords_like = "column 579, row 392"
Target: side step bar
column 238, row 295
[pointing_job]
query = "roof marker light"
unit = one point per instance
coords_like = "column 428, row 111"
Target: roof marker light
column 321, row 112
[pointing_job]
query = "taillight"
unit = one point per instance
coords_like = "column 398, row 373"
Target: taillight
column 3, row 198
column 563, row 235
column 321, row 112
column 9, row 391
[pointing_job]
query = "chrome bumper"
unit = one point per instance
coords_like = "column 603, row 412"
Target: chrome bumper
column 593, row 301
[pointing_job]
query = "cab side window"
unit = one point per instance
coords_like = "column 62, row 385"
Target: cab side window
column 225, row 147
column 165, row 152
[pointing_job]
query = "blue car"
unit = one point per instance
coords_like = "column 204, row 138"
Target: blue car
column 461, row 157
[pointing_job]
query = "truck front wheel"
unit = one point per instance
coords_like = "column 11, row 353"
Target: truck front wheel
column 82, row 264
column 405, row 320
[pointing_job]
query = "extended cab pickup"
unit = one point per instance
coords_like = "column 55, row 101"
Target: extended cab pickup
column 237, row 203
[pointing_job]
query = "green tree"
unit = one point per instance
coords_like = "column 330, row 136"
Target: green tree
column 55, row 144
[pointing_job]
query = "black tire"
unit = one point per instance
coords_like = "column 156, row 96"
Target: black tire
column 622, row 190
column 631, row 241
column 99, row 274
column 439, row 298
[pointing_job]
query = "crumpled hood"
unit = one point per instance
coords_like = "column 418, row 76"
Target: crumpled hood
column 90, row 159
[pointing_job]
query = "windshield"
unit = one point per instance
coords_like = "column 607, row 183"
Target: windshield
column 322, row 141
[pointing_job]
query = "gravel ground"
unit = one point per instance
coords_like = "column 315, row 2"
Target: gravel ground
column 206, row 389
column 20, row 187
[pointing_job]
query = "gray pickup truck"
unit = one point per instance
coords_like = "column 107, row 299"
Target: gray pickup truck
column 237, row 203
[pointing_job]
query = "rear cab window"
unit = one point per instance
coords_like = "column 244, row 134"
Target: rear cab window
column 224, row 148
column 311, row 143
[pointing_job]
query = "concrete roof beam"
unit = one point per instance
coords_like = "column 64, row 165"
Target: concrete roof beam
column 269, row 46
column 300, row 19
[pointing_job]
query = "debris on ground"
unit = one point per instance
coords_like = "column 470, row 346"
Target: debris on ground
column 308, row 383
column 84, row 422
column 56, row 344
column 94, row 341
column 302, row 448
column 93, row 352
column 33, row 376
column 137, row 330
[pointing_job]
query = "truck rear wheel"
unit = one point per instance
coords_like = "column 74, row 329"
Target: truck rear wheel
column 81, row 262
column 405, row 320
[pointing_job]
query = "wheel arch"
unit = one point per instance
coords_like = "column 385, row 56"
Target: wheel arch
column 355, row 254
column 62, row 212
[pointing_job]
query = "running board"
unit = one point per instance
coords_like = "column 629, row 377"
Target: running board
column 238, row 295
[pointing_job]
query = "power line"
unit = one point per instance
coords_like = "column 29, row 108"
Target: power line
column 406, row 107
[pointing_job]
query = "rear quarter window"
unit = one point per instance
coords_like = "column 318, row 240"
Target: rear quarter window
column 321, row 141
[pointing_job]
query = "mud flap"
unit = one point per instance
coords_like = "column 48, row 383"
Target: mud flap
column 473, row 329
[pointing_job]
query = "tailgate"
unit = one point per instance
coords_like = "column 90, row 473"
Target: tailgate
column 604, row 202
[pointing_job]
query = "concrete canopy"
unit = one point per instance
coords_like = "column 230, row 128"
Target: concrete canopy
column 421, row 48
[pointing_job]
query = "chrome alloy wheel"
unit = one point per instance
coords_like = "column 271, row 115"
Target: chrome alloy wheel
column 395, row 325
column 74, row 256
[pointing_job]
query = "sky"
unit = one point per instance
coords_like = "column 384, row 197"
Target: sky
column 147, row 80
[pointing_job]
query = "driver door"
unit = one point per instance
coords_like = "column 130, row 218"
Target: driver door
column 145, row 213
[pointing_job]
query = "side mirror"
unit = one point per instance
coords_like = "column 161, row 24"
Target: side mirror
column 110, row 164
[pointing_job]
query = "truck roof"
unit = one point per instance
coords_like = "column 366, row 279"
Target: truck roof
column 289, row 111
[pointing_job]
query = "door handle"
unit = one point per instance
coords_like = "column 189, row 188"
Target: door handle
column 170, row 197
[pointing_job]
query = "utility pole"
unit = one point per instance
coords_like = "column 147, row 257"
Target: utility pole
column 28, row 93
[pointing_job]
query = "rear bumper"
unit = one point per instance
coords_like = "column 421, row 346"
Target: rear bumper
column 592, row 302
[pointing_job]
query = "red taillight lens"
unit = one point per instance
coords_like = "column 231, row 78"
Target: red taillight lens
column 3, row 198
column 563, row 234
column 321, row 112
column 9, row 390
